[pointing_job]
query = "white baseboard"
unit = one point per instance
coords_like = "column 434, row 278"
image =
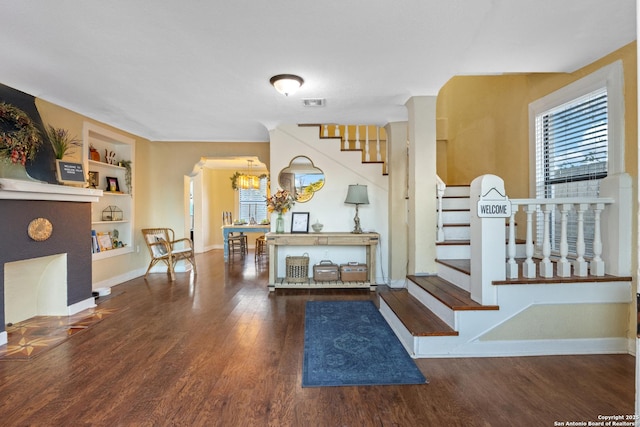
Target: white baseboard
column 80, row 306
column 518, row 348
column 398, row 284
column 116, row 280
column 3, row 337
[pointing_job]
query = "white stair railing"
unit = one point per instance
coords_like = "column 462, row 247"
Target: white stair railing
column 440, row 189
column 563, row 268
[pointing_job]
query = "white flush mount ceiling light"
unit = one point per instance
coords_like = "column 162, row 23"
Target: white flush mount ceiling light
column 286, row 84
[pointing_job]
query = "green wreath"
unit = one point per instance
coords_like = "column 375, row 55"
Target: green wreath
column 19, row 138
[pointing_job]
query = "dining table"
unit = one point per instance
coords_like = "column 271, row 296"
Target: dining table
column 241, row 228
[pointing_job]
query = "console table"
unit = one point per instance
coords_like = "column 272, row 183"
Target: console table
column 277, row 240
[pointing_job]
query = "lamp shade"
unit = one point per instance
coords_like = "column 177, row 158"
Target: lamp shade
column 357, row 195
column 286, row 84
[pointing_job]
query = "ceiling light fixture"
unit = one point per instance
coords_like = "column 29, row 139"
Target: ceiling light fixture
column 286, row 84
column 248, row 181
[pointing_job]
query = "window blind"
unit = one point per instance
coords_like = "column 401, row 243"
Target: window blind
column 253, row 202
column 571, row 156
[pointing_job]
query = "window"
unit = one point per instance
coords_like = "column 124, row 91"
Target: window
column 576, row 135
column 571, row 157
column 252, row 202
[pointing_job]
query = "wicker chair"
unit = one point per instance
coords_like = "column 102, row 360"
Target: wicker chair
column 163, row 247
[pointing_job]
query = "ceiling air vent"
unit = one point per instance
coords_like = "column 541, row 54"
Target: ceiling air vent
column 314, row 102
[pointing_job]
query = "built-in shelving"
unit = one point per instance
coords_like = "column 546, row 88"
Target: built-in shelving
column 123, row 149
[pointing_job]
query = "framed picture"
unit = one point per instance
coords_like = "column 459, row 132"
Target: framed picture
column 112, row 184
column 94, row 179
column 300, row 222
column 104, row 241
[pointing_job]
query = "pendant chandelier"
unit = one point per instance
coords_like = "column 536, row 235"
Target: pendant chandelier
column 249, row 181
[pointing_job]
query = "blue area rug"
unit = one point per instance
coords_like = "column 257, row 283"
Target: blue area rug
column 349, row 343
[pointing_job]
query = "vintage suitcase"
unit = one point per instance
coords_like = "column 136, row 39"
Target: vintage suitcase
column 326, row 271
column 353, row 272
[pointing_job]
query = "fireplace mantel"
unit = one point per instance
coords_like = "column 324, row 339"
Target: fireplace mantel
column 23, row 201
column 16, row 189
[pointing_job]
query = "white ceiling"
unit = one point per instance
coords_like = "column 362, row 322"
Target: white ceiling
column 180, row 70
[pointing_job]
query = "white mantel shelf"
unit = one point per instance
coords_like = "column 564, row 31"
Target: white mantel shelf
column 16, row 189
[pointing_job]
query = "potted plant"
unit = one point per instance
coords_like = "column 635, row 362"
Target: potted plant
column 280, row 202
column 61, row 142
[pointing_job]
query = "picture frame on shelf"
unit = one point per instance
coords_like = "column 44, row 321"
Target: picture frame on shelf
column 112, row 184
column 104, row 241
column 300, row 222
column 94, row 179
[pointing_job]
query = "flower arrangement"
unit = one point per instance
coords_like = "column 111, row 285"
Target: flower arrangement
column 280, row 202
column 19, row 138
column 61, row 142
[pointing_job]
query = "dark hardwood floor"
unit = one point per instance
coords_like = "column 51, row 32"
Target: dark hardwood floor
column 220, row 350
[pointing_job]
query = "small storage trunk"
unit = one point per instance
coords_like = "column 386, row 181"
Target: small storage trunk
column 353, row 272
column 326, row 271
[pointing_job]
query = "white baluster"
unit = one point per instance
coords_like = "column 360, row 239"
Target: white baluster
column 580, row 266
column 596, row 266
column 367, row 156
column 325, row 131
column 564, row 266
column 346, row 137
column 512, row 266
column 529, row 267
column 336, row 131
column 357, row 147
column 546, row 267
column 440, row 192
column 379, row 154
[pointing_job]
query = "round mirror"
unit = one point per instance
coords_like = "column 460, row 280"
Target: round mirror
column 301, row 178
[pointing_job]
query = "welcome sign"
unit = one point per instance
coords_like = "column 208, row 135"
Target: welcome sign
column 494, row 208
column 494, row 204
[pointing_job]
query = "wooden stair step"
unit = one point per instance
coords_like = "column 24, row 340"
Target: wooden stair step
column 449, row 294
column 461, row 265
column 453, row 242
column 464, row 266
column 418, row 319
column 468, row 242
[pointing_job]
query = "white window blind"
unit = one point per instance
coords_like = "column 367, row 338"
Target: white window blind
column 572, row 156
column 253, row 202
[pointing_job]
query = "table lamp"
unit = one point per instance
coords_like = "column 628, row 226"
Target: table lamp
column 357, row 195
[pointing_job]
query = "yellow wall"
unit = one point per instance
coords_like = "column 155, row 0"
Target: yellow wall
column 487, row 122
column 559, row 321
column 173, row 160
column 159, row 176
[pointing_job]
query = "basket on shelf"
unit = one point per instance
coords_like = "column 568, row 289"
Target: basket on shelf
column 297, row 268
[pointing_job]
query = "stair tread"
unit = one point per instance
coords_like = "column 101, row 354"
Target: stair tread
column 454, row 242
column 461, row 265
column 449, row 294
column 418, row 319
column 468, row 242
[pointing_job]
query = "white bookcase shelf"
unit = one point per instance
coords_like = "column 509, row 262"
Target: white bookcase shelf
column 105, row 140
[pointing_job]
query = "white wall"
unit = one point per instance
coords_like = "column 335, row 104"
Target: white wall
column 327, row 206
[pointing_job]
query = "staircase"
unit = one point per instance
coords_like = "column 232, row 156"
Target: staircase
column 369, row 140
column 434, row 316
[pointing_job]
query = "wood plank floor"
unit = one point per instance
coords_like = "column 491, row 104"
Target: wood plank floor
column 221, row 350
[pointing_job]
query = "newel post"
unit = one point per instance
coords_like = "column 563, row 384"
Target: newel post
column 489, row 208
